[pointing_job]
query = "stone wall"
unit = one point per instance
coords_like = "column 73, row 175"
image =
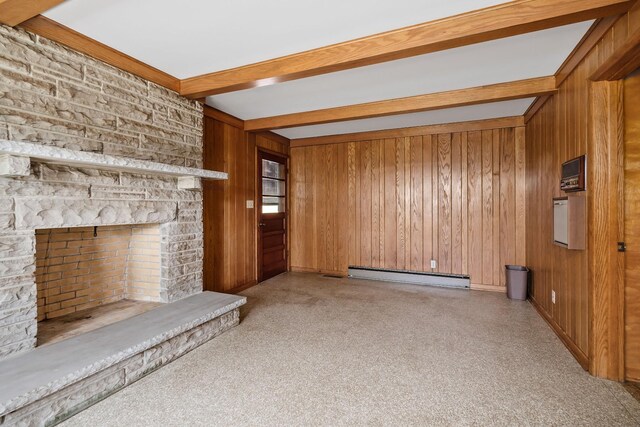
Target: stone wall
column 55, row 96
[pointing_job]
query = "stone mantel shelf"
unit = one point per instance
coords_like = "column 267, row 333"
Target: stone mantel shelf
column 12, row 152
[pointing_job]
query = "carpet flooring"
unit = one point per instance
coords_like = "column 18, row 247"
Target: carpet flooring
column 312, row 350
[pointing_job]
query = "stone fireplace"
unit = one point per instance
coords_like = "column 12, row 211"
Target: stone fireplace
column 66, row 253
column 55, row 98
column 100, row 218
column 81, row 268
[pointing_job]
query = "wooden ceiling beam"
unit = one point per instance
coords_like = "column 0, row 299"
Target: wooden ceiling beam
column 52, row 30
column 14, row 12
column 504, row 20
column 434, row 101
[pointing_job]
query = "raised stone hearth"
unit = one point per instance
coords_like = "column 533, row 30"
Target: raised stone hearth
column 55, row 381
column 90, row 319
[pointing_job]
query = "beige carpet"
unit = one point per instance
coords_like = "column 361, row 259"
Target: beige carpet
column 312, row 350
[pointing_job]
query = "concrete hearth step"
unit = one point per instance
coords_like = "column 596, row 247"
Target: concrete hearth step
column 50, row 383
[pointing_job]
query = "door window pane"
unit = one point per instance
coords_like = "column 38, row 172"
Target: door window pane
column 273, row 187
column 272, row 169
column 273, row 204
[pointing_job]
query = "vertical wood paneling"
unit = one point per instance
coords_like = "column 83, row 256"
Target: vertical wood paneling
column 456, row 202
column 520, row 196
column 407, row 203
column 342, row 201
column 375, row 203
column 390, row 206
column 496, row 229
column 400, row 222
column 409, row 200
column 382, row 196
column 229, row 226
column 507, row 200
column 298, row 211
column 365, row 203
column 435, row 207
column 464, row 257
column 582, row 118
column 487, row 207
column 474, row 184
column 351, row 186
column 444, row 203
column 417, row 191
column 632, row 226
column 428, row 201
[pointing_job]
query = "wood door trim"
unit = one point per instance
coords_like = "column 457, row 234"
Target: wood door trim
column 605, row 263
column 262, row 153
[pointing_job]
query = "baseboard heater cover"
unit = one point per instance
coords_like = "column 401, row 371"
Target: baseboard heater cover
column 410, row 277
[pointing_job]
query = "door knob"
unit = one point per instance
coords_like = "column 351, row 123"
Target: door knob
column 262, row 224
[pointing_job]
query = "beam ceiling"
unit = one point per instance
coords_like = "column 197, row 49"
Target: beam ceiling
column 504, row 20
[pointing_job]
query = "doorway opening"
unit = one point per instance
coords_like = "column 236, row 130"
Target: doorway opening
column 272, row 215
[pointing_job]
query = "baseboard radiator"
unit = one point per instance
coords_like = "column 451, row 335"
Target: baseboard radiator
column 411, row 277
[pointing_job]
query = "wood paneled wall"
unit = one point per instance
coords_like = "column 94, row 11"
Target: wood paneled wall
column 582, row 118
column 230, row 228
column 397, row 203
column 632, row 226
column 554, row 267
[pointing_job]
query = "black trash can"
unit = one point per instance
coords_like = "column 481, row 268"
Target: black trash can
column 517, row 280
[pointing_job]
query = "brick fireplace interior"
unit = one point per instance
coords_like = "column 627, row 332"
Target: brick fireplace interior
column 88, row 277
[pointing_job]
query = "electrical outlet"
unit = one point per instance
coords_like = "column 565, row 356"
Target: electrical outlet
column 249, row 204
column 553, row 297
column 434, row 264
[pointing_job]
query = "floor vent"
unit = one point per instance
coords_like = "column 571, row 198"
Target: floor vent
column 411, row 277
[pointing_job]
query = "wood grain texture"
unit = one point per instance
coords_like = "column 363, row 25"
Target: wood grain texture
column 624, row 61
column 632, row 226
column 221, row 116
column 230, row 229
column 504, row 20
column 463, row 127
column 410, row 200
column 582, row 118
column 570, row 314
column 52, row 30
column 607, row 290
column 14, row 12
column 455, row 98
column 533, row 109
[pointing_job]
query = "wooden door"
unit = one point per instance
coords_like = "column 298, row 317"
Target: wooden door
column 272, row 215
column 632, row 226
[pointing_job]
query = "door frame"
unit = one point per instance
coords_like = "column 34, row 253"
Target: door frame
column 262, row 153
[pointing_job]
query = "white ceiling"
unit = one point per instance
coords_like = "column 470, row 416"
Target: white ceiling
column 188, row 38
column 194, row 37
column 492, row 110
column 503, row 60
